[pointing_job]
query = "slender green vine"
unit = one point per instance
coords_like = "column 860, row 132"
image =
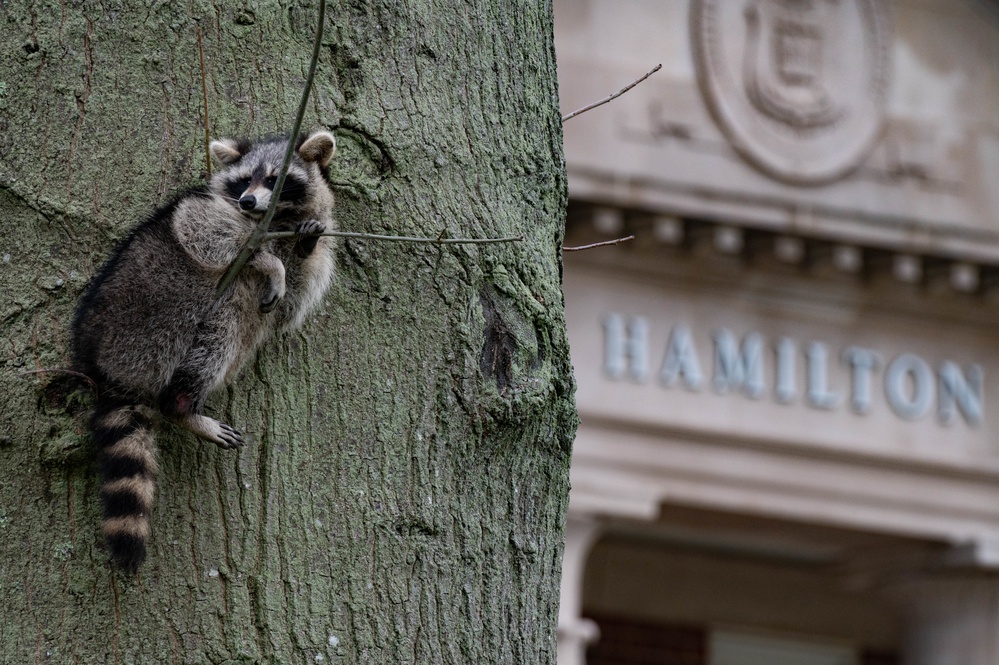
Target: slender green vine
column 260, row 231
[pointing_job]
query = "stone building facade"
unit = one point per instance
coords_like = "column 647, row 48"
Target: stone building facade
column 788, row 381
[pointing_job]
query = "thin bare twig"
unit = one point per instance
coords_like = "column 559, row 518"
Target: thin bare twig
column 598, row 244
column 614, row 96
column 257, row 237
column 204, row 96
column 80, row 375
column 278, row 235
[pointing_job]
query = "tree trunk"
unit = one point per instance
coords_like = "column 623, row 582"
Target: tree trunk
column 402, row 496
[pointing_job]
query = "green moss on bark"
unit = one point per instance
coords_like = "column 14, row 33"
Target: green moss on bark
column 403, row 494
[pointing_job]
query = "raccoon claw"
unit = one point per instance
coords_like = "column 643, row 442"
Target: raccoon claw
column 311, row 227
column 229, row 437
column 307, row 237
column 222, row 435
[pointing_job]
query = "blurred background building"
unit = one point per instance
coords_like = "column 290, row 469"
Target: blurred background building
column 789, row 450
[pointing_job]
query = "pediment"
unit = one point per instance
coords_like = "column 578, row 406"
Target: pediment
column 861, row 121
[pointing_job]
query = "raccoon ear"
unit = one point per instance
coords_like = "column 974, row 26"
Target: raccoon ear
column 319, row 147
column 225, row 151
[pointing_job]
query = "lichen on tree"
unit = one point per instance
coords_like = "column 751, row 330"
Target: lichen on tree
column 403, row 493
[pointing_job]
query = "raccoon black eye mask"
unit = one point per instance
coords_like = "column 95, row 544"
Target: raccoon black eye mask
column 151, row 334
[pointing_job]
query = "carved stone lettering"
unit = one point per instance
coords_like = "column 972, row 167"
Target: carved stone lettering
column 739, row 365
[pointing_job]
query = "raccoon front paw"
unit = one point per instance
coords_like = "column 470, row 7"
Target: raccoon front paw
column 271, row 299
column 268, row 303
column 311, row 226
column 307, row 238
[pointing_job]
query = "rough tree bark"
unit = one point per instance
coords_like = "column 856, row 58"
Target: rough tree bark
column 403, row 495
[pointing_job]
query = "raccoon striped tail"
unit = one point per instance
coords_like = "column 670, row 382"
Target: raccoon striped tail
column 126, row 455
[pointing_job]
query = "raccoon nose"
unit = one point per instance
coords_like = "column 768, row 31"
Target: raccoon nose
column 248, row 202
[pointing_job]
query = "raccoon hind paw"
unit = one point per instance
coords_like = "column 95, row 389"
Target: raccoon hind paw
column 221, row 434
column 229, row 437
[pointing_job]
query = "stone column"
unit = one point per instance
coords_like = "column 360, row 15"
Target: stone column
column 952, row 621
column 575, row 633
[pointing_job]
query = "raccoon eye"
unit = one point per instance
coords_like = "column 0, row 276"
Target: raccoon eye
column 271, row 181
column 244, row 182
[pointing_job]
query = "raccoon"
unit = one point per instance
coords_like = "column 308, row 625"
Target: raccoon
column 152, row 335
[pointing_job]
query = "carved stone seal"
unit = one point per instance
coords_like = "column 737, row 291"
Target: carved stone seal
column 798, row 86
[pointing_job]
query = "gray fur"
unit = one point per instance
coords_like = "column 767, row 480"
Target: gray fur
column 150, row 332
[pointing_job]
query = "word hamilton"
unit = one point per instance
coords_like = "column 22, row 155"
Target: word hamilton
column 912, row 387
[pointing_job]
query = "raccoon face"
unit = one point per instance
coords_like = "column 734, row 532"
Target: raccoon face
column 250, row 171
